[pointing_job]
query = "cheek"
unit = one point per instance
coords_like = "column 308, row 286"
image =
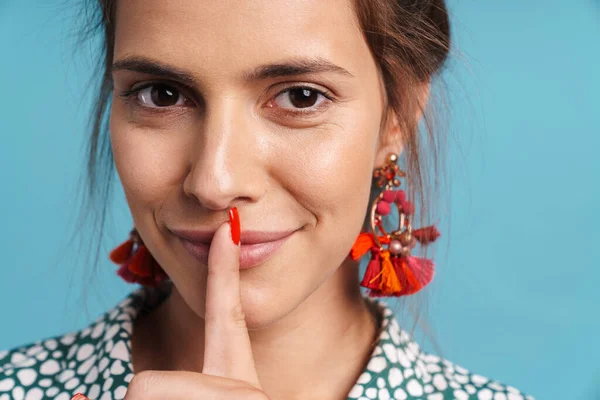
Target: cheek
column 331, row 178
column 149, row 163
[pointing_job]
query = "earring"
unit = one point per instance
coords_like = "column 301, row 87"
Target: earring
column 392, row 271
column 136, row 263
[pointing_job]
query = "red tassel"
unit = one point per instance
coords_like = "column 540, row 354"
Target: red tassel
column 140, row 267
column 126, row 274
column 122, row 253
column 426, row 235
column 380, row 276
column 157, row 274
column 141, row 262
column 413, row 285
column 422, row 268
column 373, row 271
column 414, row 273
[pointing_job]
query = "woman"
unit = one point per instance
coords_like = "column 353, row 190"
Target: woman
column 255, row 141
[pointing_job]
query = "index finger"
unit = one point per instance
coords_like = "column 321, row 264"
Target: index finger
column 227, row 349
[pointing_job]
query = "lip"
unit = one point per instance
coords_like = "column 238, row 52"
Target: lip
column 256, row 247
column 246, row 236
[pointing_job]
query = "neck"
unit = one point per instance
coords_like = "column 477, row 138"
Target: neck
column 316, row 351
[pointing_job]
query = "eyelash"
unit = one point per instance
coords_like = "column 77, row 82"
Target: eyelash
column 131, row 95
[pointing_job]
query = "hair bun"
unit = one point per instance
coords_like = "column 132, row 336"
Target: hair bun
column 436, row 13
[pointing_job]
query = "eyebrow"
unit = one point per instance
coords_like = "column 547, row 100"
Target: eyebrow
column 291, row 67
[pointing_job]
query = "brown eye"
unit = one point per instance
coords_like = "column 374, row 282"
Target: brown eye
column 164, row 96
column 302, row 97
column 299, row 98
column 160, row 95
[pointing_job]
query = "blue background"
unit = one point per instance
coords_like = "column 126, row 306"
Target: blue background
column 517, row 289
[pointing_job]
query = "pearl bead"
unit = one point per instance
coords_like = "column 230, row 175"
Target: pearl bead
column 395, row 247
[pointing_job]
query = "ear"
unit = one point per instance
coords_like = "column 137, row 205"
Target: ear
column 390, row 138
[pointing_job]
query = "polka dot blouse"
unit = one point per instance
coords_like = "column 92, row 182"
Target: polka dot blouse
column 96, row 362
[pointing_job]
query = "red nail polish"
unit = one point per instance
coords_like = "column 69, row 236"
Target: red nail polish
column 234, row 221
column 79, row 396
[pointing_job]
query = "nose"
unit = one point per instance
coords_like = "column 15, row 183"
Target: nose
column 226, row 162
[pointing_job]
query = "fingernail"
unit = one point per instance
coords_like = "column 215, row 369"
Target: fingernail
column 234, row 222
column 79, row 396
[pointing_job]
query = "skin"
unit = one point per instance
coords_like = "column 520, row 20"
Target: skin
column 295, row 326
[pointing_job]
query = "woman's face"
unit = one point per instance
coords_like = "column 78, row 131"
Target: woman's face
column 271, row 107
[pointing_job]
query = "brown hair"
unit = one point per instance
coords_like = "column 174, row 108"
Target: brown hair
column 409, row 41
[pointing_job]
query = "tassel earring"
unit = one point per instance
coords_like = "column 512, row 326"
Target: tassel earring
column 136, row 263
column 392, row 271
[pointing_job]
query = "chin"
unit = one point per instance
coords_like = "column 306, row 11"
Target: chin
column 264, row 307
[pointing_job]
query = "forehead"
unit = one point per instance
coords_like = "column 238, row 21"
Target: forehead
column 234, row 35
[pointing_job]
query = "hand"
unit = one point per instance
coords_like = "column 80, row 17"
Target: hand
column 229, row 371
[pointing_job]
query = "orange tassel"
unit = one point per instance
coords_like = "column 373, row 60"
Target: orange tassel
column 122, row 253
column 141, row 263
column 363, row 243
column 390, row 284
column 413, row 285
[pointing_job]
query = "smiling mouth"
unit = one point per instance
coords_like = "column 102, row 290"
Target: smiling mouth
column 251, row 254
